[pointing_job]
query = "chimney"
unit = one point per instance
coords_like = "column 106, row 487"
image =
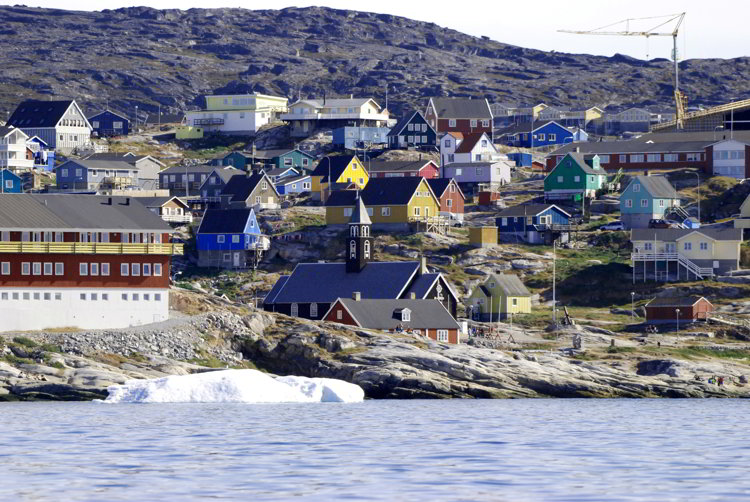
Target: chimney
column 412, row 296
column 127, row 201
column 109, row 201
column 356, row 296
column 578, row 149
column 351, row 96
column 422, row 265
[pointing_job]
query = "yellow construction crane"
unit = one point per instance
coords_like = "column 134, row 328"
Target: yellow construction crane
column 679, row 97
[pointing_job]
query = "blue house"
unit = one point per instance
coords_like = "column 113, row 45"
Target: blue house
column 230, row 238
column 521, row 159
column 10, row 182
column 352, row 138
column 535, row 134
column 109, row 123
column 294, row 185
column 44, row 157
column 534, row 223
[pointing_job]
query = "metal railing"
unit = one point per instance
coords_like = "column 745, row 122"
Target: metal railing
column 177, row 218
column 90, row 248
column 682, row 260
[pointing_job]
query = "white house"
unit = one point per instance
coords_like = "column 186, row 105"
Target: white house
column 460, row 148
column 13, row 149
column 237, row 114
column 61, row 124
column 306, row 115
column 494, row 173
column 729, row 159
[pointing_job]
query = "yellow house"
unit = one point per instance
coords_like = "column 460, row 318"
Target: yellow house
column 482, row 237
column 744, row 219
column 188, row 132
column 391, row 203
column 343, row 169
column 499, row 297
column 667, row 254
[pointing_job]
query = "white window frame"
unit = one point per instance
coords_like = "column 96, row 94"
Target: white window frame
column 294, row 310
column 125, row 269
column 644, row 202
column 5, row 268
column 83, row 269
column 48, row 268
column 442, row 335
column 221, row 239
column 313, row 310
column 135, row 269
column 157, row 269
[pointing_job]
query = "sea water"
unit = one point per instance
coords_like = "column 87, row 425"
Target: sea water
column 546, row 449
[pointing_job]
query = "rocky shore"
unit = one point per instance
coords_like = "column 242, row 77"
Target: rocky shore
column 81, row 365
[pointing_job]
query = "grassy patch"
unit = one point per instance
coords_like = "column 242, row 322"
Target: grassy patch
column 700, row 353
column 13, row 359
column 26, row 342
column 50, row 347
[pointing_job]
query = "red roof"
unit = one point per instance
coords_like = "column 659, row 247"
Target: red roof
column 469, row 142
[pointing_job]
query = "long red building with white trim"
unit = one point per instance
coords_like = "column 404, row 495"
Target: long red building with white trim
column 82, row 261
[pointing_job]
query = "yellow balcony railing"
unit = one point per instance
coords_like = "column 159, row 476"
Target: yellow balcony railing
column 90, row 248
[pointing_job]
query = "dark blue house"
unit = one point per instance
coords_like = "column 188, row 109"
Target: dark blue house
column 522, row 159
column 535, row 134
column 230, row 238
column 412, row 130
column 534, row 223
column 109, row 123
column 10, row 182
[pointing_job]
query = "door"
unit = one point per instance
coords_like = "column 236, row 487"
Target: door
column 236, row 261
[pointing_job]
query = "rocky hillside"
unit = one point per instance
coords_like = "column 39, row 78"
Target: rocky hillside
column 142, row 56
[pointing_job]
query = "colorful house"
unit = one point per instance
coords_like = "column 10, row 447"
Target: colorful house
column 307, row 115
column 311, row 288
column 294, row 185
column 61, row 124
column 281, row 173
column 420, row 317
column 743, row 221
column 392, row 203
column 109, row 123
column 214, row 184
column 403, row 168
column 184, row 181
column 464, row 115
column 575, row 177
column 353, row 137
column 14, row 152
column 256, row 191
column 534, row 223
column 242, row 114
column 483, row 237
column 683, row 254
column 284, row 158
column 412, row 131
column 450, row 196
column 230, row 238
column 536, row 134
column 646, row 198
column 342, row 169
column 501, row 296
column 467, row 148
column 171, row 208
column 685, row 309
column 10, row 182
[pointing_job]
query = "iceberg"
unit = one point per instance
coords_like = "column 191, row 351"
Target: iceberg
column 235, row 386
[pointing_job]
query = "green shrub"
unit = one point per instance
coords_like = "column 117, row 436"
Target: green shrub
column 26, row 342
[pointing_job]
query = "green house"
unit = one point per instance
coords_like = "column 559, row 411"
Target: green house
column 272, row 159
column 573, row 177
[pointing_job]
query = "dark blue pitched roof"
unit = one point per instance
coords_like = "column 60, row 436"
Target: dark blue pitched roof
column 36, row 113
column 240, row 186
column 338, row 165
column 438, row 186
column 275, row 289
column 324, row 282
column 224, row 221
column 378, row 192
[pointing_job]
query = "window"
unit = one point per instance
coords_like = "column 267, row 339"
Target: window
column 124, row 297
column 385, row 211
column 146, row 297
column 147, row 269
column 447, row 143
column 551, row 137
column 157, row 269
column 79, row 172
column 3, row 296
column 257, row 198
column 623, row 159
column 541, row 136
column 648, row 246
column 157, row 297
column 559, row 179
column 305, row 162
column 653, row 157
column 449, row 202
column 105, row 297
column 367, row 249
column 644, row 202
column 235, row 239
column 442, row 335
column 82, row 296
column 485, row 123
column 226, row 257
column 135, row 297
column 48, row 268
column 5, row 268
column 135, row 269
column 637, row 187
column 473, row 123
column 347, row 211
column 124, row 269
column 479, row 171
column 83, row 269
column 25, row 268
column 406, row 315
column 661, row 202
column 576, row 179
column 64, row 172
column 688, row 246
column 352, row 249
column 416, row 211
column 221, row 239
column 58, row 296
column 104, row 268
column 670, row 157
column 704, row 246
column 94, row 296
column 264, row 186
column 338, row 314
column 628, row 203
column 451, row 122
column 313, row 310
column 515, row 302
column 636, row 157
column 694, row 157
column 294, row 310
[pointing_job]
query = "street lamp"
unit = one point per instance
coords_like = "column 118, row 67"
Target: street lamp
column 678, row 319
column 632, row 306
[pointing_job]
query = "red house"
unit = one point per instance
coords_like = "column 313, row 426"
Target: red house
column 463, row 115
column 402, row 168
column 691, row 309
column 451, row 197
column 422, row 317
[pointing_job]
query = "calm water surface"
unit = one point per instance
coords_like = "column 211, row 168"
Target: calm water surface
column 378, row 450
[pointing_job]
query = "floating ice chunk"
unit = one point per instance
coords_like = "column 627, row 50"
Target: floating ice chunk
column 234, row 386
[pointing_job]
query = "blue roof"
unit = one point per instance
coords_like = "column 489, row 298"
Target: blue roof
column 275, row 289
column 324, row 282
column 225, row 221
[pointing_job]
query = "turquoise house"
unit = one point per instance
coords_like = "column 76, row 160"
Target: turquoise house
column 573, row 177
column 647, row 198
column 271, row 159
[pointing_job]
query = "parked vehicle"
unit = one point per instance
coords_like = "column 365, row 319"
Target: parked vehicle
column 614, row 225
column 658, row 223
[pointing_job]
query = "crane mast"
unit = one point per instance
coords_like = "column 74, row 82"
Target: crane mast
column 679, row 97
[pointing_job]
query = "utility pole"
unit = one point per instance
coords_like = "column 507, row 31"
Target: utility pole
column 554, row 272
column 159, row 105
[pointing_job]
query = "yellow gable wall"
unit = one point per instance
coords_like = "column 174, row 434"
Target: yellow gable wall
column 717, row 250
column 425, row 201
column 354, row 173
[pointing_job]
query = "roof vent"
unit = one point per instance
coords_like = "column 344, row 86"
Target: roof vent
column 356, row 296
column 412, row 296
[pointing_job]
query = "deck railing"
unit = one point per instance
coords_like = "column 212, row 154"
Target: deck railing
column 90, row 248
